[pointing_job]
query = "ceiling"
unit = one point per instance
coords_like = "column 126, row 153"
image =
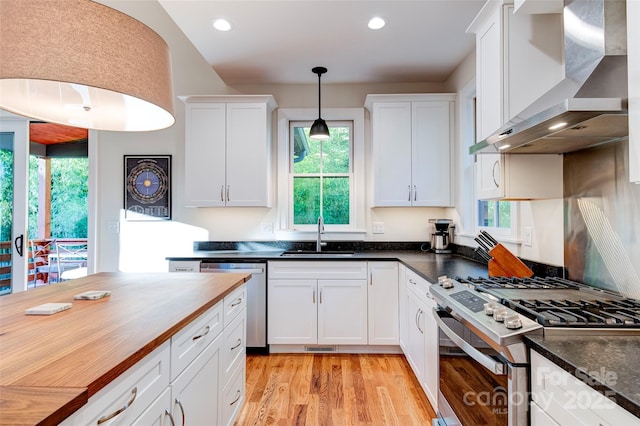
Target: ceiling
column 278, row 42
column 51, row 133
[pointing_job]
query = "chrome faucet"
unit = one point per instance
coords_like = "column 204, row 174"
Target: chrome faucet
column 319, row 242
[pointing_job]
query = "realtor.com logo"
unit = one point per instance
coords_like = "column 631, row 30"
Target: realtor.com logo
column 554, row 383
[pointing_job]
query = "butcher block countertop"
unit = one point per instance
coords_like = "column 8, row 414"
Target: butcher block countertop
column 51, row 365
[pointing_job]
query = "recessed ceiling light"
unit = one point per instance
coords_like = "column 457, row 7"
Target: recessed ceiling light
column 376, row 23
column 501, row 147
column 221, row 24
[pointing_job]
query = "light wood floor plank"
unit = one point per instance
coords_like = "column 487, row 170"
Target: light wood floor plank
column 332, row 390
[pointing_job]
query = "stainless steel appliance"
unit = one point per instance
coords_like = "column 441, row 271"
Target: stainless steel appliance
column 441, row 238
column 482, row 359
column 256, row 300
column 482, row 324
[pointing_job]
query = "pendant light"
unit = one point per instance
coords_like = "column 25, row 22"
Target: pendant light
column 81, row 63
column 319, row 129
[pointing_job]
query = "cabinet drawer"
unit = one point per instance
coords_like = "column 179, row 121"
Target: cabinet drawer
column 418, row 285
column 184, row 266
column 157, row 414
column 568, row 400
column 234, row 303
column 130, row 394
column 234, row 346
column 233, row 395
column 319, row 270
column 188, row 343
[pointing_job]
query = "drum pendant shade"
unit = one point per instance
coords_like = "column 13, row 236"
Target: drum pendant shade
column 80, row 63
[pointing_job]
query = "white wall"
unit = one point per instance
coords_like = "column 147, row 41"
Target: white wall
column 192, row 75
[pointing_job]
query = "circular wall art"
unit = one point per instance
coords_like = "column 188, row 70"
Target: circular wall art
column 147, row 187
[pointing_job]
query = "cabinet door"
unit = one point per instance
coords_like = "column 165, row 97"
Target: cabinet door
column 247, row 155
column 292, row 311
column 416, row 336
column 431, row 153
column 430, row 377
column 342, row 312
column 391, row 134
column 402, row 306
column 489, row 176
column 489, row 65
column 383, row 303
column 195, row 393
column 205, row 152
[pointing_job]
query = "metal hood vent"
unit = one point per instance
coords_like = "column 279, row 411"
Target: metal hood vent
column 589, row 106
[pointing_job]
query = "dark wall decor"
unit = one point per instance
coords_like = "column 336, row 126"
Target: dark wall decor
column 147, row 192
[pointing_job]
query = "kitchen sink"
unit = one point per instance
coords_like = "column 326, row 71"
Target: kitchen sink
column 312, row 253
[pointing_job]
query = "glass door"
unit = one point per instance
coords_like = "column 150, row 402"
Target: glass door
column 14, row 144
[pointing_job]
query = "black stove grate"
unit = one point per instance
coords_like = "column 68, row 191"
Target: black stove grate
column 522, row 283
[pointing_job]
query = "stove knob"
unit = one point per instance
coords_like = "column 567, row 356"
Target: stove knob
column 513, row 322
column 447, row 283
column 490, row 308
column 500, row 314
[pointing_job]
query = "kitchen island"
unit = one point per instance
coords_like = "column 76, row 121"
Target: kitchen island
column 52, row 365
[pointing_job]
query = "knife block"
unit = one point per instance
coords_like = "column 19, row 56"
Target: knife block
column 505, row 264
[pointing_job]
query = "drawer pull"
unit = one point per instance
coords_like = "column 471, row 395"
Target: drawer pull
column 237, row 397
column 134, row 393
column 179, row 404
column 237, row 302
column 237, row 344
column 167, row 413
column 206, row 331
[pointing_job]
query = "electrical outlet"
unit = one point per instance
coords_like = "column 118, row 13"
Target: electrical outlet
column 267, row 228
column 378, row 227
column 528, row 236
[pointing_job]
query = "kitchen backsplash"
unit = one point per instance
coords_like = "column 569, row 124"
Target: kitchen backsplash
column 602, row 219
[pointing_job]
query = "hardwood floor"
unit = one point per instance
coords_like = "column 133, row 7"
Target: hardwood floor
column 333, row 389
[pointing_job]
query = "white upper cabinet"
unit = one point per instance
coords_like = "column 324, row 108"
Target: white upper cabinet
column 633, row 60
column 227, row 151
column 519, row 57
column 412, row 149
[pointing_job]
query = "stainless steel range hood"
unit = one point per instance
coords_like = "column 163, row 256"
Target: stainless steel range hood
column 589, row 106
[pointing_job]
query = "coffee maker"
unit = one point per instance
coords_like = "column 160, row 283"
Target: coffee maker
column 442, row 236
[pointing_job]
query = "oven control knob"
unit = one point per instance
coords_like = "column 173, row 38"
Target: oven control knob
column 513, row 322
column 490, row 308
column 500, row 314
column 445, row 281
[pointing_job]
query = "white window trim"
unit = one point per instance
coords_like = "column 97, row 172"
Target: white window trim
column 284, row 229
column 507, row 235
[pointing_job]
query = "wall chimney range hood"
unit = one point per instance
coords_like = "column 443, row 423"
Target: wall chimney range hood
column 589, row 106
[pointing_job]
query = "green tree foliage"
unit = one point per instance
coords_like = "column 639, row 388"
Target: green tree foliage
column 6, row 194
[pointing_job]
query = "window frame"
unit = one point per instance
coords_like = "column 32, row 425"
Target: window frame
column 284, row 226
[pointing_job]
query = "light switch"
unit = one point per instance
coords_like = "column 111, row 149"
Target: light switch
column 378, row 227
column 528, row 236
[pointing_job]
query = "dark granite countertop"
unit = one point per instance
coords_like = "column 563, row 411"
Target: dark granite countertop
column 427, row 264
column 617, row 356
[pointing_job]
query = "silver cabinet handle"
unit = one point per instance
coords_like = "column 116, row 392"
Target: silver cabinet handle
column 206, row 331
column 409, row 189
column 237, row 397
column 371, row 278
column 493, row 173
column 228, row 190
column 415, row 193
column 179, row 404
column 237, row 302
column 237, row 344
column 222, row 193
column 314, row 297
column 134, row 393
column 418, row 315
column 167, row 413
column 320, row 295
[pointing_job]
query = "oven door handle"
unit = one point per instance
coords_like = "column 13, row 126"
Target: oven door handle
column 489, row 363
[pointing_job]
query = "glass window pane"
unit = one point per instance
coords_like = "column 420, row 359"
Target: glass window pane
column 306, row 152
column 504, row 214
column 335, row 151
column 335, row 200
column 306, row 200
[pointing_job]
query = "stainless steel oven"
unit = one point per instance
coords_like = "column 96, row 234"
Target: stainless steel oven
column 483, row 363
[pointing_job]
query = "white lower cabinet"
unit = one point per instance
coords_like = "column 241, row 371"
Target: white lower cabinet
column 383, row 303
column 313, row 303
column 421, row 344
column 561, row 398
column 403, row 323
column 184, row 381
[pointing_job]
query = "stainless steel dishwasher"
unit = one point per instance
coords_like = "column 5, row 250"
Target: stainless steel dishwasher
column 256, row 300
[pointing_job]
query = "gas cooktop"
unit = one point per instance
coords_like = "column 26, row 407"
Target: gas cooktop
column 557, row 302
